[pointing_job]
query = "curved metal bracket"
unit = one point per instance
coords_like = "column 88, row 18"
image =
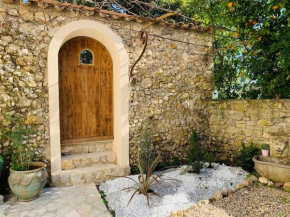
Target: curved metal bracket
column 143, row 36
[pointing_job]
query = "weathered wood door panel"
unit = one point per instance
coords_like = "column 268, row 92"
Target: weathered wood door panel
column 86, row 91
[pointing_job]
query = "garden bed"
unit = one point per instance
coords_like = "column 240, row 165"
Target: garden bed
column 177, row 192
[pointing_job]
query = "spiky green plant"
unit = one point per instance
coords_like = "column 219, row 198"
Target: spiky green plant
column 146, row 180
column 21, row 151
column 146, row 164
column 146, row 147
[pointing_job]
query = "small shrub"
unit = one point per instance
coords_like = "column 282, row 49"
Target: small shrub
column 195, row 154
column 175, row 161
column 265, row 147
column 197, row 166
column 21, row 152
column 210, row 158
column 135, row 170
column 245, row 156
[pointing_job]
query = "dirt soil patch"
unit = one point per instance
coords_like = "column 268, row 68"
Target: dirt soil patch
column 256, row 200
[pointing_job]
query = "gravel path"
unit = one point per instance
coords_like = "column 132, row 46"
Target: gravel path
column 256, row 200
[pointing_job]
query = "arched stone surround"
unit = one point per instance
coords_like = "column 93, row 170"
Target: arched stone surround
column 114, row 44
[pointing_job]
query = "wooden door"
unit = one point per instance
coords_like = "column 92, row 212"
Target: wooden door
column 86, row 91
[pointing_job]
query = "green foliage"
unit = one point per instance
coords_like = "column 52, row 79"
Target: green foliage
column 103, row 196
column 195, row 154
column 245, row 156
column 146, row 163
column 135, row 170
column 1, row 163
column 145, row 180
column 210, row 158
column 251, row 42
column 21, row 152
column 285, row 200
column 265, row 147
column 147, row 151
column 175, row 161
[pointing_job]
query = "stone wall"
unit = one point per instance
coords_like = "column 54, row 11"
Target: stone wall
column 172, row 77
column 234, row 122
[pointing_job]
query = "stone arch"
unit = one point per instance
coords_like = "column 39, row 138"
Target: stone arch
column 114, row 44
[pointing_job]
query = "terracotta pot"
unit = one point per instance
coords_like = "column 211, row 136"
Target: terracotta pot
column 265, row 153
column 27, row 185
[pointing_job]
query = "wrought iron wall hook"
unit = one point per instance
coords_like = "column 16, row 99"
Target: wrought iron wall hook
column 143, row 37
column 144, row 41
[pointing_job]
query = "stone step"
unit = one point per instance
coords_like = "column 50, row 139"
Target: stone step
column 69, row 162
column 93, row 174
column 86, row 147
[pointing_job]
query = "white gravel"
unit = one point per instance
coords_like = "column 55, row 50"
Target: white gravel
column 187, row 190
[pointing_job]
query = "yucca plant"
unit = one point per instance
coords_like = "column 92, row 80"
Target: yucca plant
column 146, row 163
column 146, row 180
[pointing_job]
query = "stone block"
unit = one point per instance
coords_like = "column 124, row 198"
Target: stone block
column 20, row 61
column 263, row 123
column 13, row 12
column 41, row 17
column 34, row 120
column 26, row 15
column 286, row 186
column 263, row 180
column 239, row 106
column 67, row 165
column 278, row 185
column 111, row 158
column 218, row 195
column 253, row 178
column 12, row 49
column 271, row 184
column 233, row 130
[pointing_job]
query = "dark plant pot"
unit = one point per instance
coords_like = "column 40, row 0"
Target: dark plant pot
column 27, row 185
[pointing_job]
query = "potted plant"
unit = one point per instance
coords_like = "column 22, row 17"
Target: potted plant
column 265, row 150
column 27, row 178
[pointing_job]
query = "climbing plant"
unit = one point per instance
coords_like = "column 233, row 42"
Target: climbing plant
column 251, row 41
column 251, row 45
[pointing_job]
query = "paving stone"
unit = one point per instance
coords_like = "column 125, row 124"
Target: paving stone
column 74, row 201
column 73, row 213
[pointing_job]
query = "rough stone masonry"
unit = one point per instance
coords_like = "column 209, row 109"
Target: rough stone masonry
column 234, row 122
column 172, row 78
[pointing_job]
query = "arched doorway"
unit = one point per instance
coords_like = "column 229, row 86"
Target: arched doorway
column 113, row 43
column 85, row 91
